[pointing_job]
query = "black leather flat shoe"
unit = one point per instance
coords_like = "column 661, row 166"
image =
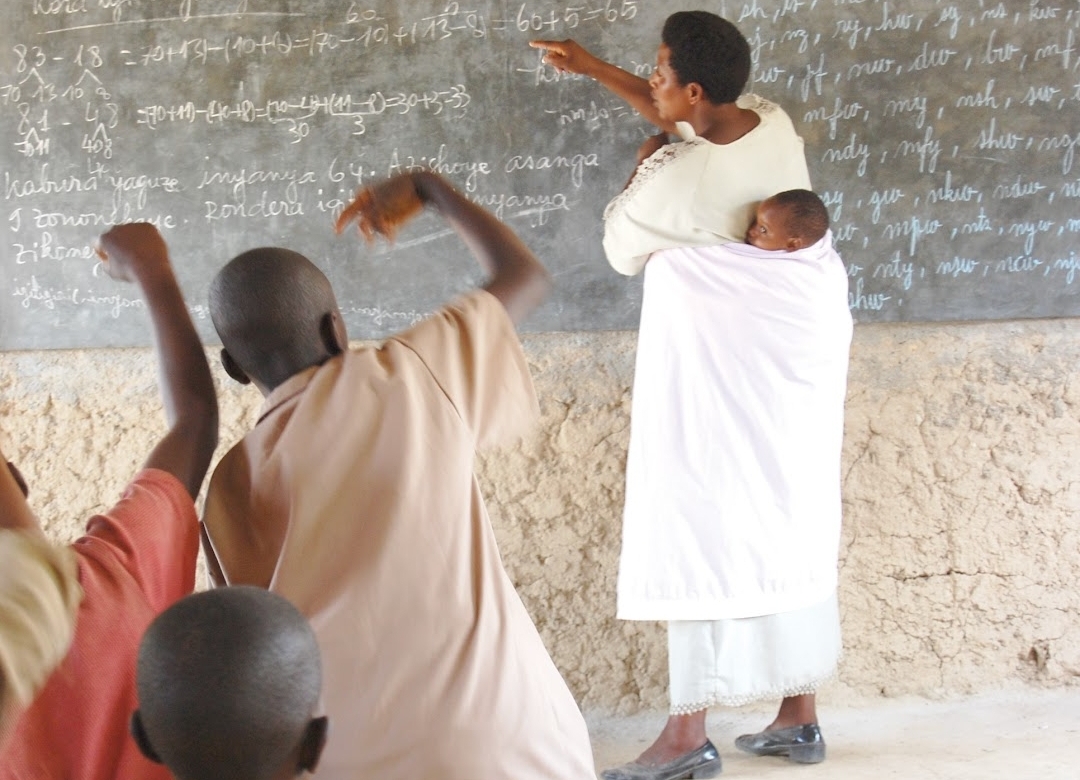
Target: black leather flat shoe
column 802, row 744
column 700, row 763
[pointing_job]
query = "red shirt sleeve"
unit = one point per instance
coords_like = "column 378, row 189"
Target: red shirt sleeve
column 153, row 532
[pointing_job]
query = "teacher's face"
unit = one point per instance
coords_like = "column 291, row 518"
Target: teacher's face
column 669, row 96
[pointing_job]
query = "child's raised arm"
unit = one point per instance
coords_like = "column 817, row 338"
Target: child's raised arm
column 518, row 279
column 137, row 253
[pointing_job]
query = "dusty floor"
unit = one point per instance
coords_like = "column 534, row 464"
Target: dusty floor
column 1016, row 735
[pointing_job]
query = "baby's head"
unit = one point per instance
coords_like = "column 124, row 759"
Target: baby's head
column 276, row 315
column 228, row 682
column 788, row 221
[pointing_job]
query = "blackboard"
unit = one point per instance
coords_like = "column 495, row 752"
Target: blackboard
column 943, row 136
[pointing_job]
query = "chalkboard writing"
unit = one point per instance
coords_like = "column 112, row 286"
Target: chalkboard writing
column 942, row 135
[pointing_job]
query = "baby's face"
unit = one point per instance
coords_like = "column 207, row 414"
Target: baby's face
column 767, row 231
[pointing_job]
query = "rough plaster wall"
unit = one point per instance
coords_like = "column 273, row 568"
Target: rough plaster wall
column 961, row 545
column 962, row 498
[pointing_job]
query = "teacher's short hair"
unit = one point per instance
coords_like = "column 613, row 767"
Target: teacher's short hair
column 708, row 50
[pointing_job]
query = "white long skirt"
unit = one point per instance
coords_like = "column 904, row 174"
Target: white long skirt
column 735, row 662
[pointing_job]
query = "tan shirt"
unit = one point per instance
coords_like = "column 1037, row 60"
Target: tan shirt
column 354, row 497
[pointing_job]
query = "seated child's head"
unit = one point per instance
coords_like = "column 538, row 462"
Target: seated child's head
column 228, row 681
column 276, row 314
column 789, row 220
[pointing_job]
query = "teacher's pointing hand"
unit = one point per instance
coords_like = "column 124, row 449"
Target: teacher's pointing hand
column 567, row 56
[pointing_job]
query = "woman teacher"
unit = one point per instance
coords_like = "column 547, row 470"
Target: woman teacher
column 738, row 556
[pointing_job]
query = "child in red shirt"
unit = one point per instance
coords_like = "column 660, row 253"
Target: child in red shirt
column 134, row 561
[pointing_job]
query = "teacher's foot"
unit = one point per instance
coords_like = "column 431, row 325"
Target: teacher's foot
column 700, row 763
column 802, row 744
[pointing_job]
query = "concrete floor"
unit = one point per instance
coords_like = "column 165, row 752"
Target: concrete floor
column 1013, row 735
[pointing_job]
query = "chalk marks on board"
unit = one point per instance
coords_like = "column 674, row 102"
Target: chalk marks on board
column 941, row 135
column 294, row 115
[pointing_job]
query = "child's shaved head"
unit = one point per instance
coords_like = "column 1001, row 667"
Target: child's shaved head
column 227, row 682
column 275, row 313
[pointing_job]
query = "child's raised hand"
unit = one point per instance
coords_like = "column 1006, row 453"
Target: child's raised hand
column 129, row 249
column 382, row 208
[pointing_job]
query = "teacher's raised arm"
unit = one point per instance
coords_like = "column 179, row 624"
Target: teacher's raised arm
column 734, row 149
column 571, row 57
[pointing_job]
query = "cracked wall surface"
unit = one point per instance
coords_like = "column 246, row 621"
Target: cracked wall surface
column 960, row 555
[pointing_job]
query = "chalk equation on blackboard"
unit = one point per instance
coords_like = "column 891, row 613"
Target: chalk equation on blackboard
column 942, row 136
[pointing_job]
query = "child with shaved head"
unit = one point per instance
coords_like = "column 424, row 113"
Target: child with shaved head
column 228, row 682
column 354, row 497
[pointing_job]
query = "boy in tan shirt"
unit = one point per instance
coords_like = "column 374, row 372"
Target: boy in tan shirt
column 354, row 497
